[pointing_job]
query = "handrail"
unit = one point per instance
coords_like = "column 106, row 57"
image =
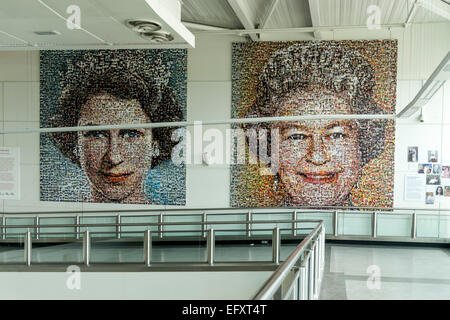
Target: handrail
column 243, row 220
column 144, row 224
column 147, row 237
column 153, row 231
column 199, row 210
column 273, row 284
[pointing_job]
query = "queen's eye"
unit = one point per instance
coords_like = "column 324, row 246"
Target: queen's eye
column 95, row 134
column 297, row 136
column 337, row 135
column 130, row 133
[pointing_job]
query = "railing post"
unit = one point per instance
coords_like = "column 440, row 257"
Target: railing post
column 77, row 227
column 278, row 295
column 36, row 222
column 302, row 284
column 204, row 224
column 294, row 224
column 323, row 247
column 147, row 247
column 27, row 246
column 335, row 223
column 118, row 228
column 414, row 225
column 318, row 253
column 4, row 227
column 374, row 224
column 160, row 227
column 311, row 276
column 210, row 246
column 249, row 224
column 276, row 245
column 86, row 247
column 316, row 268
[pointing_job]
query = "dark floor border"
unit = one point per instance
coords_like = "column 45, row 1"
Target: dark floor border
column 236, row 242
column 389, row 243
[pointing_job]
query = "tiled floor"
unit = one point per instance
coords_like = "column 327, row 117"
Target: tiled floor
column 369, row 272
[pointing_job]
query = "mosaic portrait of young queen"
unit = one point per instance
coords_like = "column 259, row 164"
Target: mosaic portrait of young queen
column 105, row 88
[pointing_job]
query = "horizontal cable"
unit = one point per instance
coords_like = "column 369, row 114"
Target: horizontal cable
column 208, row 122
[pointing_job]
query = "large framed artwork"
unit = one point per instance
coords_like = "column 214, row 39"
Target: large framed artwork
column 106, row 88
column 321, row 160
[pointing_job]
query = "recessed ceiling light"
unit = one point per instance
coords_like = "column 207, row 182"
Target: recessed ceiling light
column 157, row 37
column 47, row 33
column 143, row 25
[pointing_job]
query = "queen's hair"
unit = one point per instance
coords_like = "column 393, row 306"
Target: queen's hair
column 338, row 69
column 122, row 77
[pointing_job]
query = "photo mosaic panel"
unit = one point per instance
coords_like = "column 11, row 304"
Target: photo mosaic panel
column 111, row 87
column 320, row 162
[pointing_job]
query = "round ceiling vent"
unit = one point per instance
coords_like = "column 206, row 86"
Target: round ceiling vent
column 157, row 37
column 142, row 26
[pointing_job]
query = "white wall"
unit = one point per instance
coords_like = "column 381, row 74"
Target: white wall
column 421, row 47
column 214, row 285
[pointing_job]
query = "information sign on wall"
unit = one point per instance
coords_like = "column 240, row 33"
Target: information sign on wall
column 10, row 173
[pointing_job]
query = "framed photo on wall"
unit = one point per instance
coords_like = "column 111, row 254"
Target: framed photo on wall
column 413, row 154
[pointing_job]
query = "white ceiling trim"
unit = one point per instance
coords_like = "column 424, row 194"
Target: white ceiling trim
column 199, row 26
column 16, row 38
column 90, row 46
column 294, row 30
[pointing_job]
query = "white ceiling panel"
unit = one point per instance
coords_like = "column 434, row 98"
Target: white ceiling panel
column 103, row 23
column 24, row 29
column 290, row 14
column 431, row 14
column 7, row 40
column 210, row 12
column 355, row 12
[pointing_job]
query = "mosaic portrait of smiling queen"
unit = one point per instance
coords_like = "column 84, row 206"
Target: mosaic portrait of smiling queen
column 107, row 88
column 321, row 162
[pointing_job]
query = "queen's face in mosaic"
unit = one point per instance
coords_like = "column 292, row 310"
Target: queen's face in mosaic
column 320, row 160
column 115, row 161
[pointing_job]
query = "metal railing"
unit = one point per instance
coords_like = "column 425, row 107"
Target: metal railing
column 160, row 221
column 208, row 235
column 300, row 276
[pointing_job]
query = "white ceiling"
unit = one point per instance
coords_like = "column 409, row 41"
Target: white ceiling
column 103, row 21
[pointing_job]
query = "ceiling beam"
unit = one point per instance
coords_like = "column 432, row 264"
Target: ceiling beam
column 437, row 7
column 315, row 17
column 295, row 30
column 411, row 14
column 243, row 15
column 431, row 86
column 268, row 14
column 199, row 26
